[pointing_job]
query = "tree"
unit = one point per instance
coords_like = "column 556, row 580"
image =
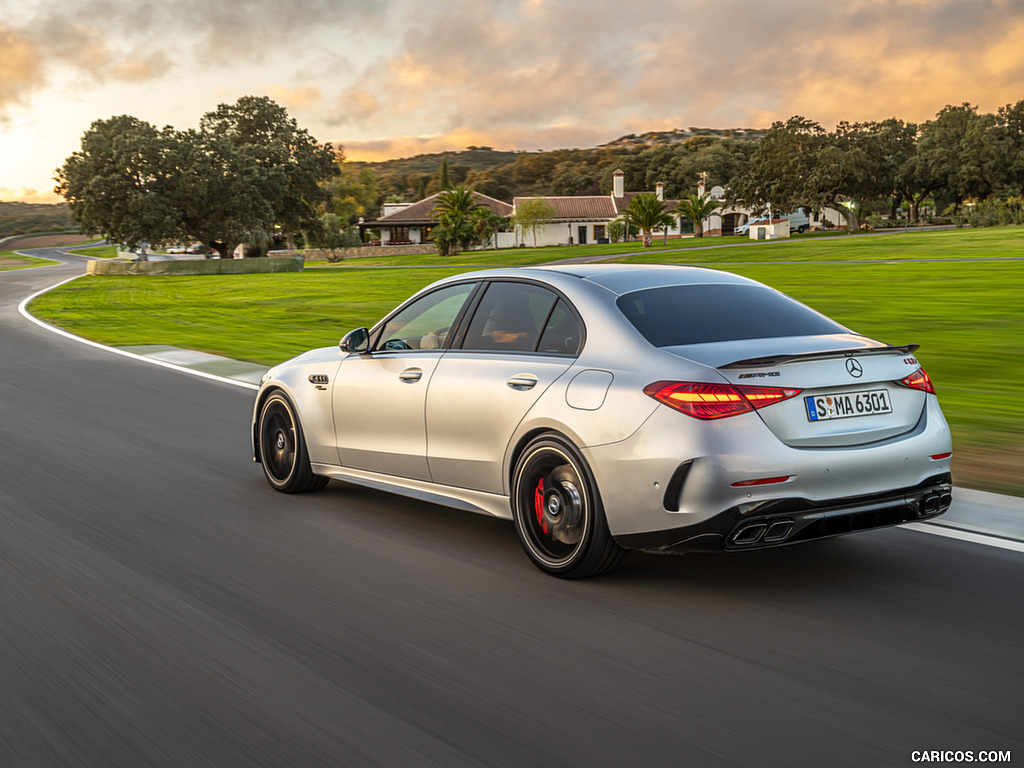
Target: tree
column 696, row 208
column 122, row 183
column 1011, row 125
column 332, row 236
column 532, row 213
column 246, row 172
column 962, row 150
column 648, row 213
column 454, row 211
column 353, row 192
column 284, row 159
column 445, row 181
column 487, row 224
column 798, row 164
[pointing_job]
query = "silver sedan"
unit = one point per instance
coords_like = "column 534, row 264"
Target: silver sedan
column 614, row 407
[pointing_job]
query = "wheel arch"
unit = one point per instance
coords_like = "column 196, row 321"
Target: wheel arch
column 520, row 443
column 262, row 396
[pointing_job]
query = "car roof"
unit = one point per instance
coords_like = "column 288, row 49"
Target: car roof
column 620, row 278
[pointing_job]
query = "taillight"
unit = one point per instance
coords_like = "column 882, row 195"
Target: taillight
column 919, row 379
column 715, row 401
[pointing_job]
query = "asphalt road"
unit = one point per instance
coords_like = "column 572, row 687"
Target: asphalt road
column 161, row 606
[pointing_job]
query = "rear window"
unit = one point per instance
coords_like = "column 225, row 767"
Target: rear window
column 697, row 314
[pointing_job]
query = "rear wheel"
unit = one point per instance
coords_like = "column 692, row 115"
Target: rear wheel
column 283, row 448
column 558, row 512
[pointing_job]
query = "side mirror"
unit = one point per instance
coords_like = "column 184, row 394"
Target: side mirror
column 356, row 341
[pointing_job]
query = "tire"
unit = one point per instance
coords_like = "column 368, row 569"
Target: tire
column 558, row 513
column 283, row 453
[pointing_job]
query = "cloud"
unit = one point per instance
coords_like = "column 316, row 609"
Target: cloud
column 495, row 68
column 139, row 40
column 20, row 71
column 302, row 97
column 527, row 74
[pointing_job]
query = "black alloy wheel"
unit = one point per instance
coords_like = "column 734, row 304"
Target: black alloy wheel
column 283, row 448
column 558, row 512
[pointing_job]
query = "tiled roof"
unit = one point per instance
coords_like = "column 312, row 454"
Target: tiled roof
column 587, row 207
column 591, row 207
column 420, row 213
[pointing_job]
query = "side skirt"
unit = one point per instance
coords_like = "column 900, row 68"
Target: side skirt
column 446, row 495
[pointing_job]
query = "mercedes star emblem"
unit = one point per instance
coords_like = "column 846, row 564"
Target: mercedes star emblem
column 854, row 368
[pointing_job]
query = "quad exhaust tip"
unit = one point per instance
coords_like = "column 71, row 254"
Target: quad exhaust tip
column 768, row 533
column 934, row 503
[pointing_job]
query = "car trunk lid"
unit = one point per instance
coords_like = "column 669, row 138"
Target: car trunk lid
column 850, row 395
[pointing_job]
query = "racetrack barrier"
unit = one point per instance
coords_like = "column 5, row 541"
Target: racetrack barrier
column 196, row 266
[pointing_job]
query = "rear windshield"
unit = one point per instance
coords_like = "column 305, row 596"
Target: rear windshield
column 696, row 314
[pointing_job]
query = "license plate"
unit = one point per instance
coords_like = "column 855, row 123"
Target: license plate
column 847, row 404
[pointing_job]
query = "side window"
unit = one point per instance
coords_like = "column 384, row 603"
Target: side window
column 510, row 318
column 562, row 334
column 425, row 323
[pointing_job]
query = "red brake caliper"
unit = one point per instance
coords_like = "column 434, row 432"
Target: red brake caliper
column 538, row 505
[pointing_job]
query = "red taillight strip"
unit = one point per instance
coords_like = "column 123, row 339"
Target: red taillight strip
column 702, row 400
column 941, row 456
column 762, row 481
column 919, row 379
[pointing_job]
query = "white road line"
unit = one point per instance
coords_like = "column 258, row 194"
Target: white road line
column 23, row 309
column 974, row 538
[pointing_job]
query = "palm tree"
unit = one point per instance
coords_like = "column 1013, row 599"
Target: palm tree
column 648, row 213
column 455, row 210
column 487, row 223
column 697, row 208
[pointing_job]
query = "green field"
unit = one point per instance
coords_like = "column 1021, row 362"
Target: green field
column 14, row 260
column 885, row 246
column 968, row 317
column 99, row 252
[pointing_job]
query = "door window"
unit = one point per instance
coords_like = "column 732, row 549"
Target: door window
column 426, row 322
column 510, row 317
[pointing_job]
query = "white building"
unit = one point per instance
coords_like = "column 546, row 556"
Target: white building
column 410, row 223
column 583, row 219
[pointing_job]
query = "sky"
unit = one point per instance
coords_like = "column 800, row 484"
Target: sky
column 394, row 78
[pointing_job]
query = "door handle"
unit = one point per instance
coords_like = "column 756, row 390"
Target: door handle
column 523, row 381
column 410, row 375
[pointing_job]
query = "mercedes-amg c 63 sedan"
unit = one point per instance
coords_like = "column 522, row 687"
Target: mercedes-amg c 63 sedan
column 614, row 407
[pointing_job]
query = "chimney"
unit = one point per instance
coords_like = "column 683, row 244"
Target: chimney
column 618, row 183
column 659, row 190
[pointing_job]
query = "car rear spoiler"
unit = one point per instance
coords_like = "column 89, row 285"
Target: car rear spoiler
column 761, row 362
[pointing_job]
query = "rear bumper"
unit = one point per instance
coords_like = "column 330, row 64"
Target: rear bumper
column 778, row 522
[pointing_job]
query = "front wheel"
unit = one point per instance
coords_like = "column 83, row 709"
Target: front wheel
column 558, row 512
column 283, row 451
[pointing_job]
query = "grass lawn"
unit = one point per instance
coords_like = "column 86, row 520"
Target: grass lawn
column 990, row 242
column 14, row 260
column 100, row 252
column 894, row 244
column 504, row 257
column 968, row 317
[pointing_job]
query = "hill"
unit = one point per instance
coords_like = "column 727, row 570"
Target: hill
column 30, row 218
column 506, row 174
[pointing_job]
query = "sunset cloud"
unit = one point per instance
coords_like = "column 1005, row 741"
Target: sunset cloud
column 20, row 72
column 300, row 98
column 407, row 76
